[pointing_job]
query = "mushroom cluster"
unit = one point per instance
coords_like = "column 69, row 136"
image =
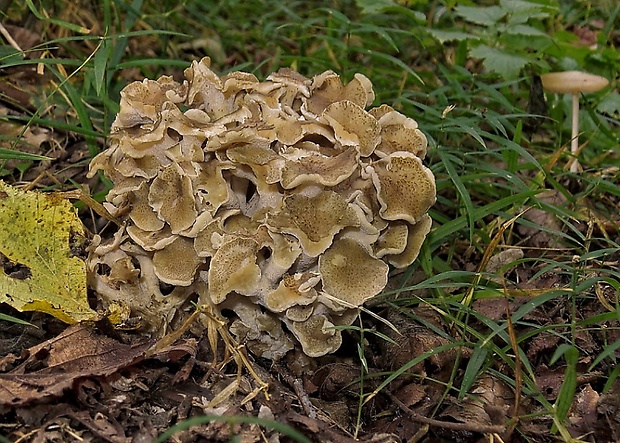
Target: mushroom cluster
column 281, row 203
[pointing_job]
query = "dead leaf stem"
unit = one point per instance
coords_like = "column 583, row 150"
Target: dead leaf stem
column 471, row 427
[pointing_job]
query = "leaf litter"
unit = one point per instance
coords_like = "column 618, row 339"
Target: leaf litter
column 92, row 381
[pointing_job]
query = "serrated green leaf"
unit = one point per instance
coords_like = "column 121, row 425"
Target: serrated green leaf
column 450, row 36
column 373, row 6
column 520, row 11
column 610, row 104
column 485, row 15
column 503, row 63
column 526, row 30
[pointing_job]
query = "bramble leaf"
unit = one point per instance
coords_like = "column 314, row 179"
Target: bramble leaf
column 505, row 64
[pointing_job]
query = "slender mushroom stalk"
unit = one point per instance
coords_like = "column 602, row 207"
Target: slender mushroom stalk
column 573, row 82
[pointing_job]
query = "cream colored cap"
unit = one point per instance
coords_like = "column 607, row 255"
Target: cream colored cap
column 573, row 82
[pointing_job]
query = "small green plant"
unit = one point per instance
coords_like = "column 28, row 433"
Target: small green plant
column 508, row 36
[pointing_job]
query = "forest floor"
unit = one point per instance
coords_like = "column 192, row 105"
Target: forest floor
column 535, row 363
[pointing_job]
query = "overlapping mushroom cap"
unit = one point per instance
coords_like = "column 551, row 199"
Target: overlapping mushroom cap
column 282, row 202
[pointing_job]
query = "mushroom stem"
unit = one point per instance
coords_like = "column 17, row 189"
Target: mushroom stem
column 573, row 82
column 574, row 142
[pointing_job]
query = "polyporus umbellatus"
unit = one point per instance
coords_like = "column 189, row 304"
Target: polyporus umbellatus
column 283, row 202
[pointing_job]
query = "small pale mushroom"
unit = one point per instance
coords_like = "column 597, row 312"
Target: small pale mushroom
column 573, row 82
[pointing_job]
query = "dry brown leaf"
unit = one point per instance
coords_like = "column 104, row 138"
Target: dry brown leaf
column 52, row 366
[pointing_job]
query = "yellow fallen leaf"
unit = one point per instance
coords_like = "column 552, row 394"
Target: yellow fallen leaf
column 40, row 235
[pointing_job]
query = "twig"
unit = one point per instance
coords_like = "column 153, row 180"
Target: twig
column 306, row 404
column 297, row 385
column 471, row 427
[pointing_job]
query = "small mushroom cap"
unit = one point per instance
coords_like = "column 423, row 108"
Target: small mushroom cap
column 353, row 126
column 204, row 243
column 573, row 82
column 314, row 220
column 327, row 88
column 399, row 133
column 265, row 163
column 328, row 171
column 176, row 264
column 151, row 240
column 405, row 187
column 316, row 335
column 392, row 240
column 299, row 313
column 415, row 237
column 171, row 195
column 142, row 213
column 289, row 294
column 211, row 185
column 260, row 331
column 350, row 273
column 234, row 268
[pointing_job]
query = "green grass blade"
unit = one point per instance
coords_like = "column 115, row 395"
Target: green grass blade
column 61, row 23
column 476, row 361
column 9, row 154
column 608, row 351
column 12, row 319
column 448, row 161
column 403, row 369
column 569, row 385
